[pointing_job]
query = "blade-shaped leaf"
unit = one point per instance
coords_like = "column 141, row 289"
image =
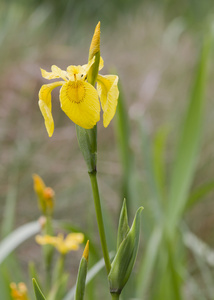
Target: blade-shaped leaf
column 90, row 275
column 200, row 193
column 37, row 290
column 148, row 263
column 188, row 147
column 18, row 236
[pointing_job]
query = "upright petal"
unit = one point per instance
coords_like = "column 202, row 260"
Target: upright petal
column 101, row 64
column 79, row 71
column 108, row 93
column 79, row 100
column 45, row 104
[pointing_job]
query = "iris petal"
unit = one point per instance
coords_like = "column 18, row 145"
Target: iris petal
column 108, row 93
column 56, row 73
column 79, row 100
column 45, row 104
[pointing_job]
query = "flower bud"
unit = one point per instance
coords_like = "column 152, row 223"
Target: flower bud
column 49, row 200
column 94, row 51
column 123, row 227
column 81, row 277
column 45, row 195
column 124, row 260
column 95, row 42
column 39, row 187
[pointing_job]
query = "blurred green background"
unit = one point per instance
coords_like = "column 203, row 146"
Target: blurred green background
column 154, row 47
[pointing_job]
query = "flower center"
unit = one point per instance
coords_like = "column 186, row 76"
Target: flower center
column 75, row 91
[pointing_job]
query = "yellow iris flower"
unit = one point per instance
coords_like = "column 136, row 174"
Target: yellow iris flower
column 63, row 245
column 79, row 99
column 19, row 292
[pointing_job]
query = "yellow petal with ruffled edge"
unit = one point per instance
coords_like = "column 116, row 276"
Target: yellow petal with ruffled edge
column 79, row 100
column 108, row 93
column 46, row 240
column 79, row 71
column 73, row 240
column 75, row 237
column 45, row 104
column 56, row 73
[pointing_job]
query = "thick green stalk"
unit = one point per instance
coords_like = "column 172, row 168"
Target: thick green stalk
column 94, row 185
column 115, row 296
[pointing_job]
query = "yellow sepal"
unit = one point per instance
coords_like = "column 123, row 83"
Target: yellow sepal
column 108, row 92
column 46, row 106
column 79, row 100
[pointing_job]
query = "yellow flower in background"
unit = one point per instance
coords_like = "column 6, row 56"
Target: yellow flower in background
column 19, row 292
column 63, row 245
column 79, row 99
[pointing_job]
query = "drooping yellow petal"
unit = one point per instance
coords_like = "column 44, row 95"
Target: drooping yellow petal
column 79, row 100
column 47, row 115
column 45, row 104
column 56, row 73
column 108, row 93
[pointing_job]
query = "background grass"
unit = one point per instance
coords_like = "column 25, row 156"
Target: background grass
column 154, row 47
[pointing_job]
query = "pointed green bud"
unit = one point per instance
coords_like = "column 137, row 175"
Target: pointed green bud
column 81, row 277
column 37, row 290
column 124, row 260
column 123, row 227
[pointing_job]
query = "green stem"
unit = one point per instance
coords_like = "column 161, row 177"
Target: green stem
column 59, row 268
column 94, row 185
column 115, row 296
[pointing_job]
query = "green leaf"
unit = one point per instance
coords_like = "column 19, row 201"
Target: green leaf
column 9, row 210
column 122, row 129
column 158, row 159
column 148, row 262
column 90, row 275
column 200, row 193
column 37, row 290
column 17, row 237
column 33, row 272
column 124, row 260
column 80, row 285
column 123, row 227
column 155, row 196
column 188, row 147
